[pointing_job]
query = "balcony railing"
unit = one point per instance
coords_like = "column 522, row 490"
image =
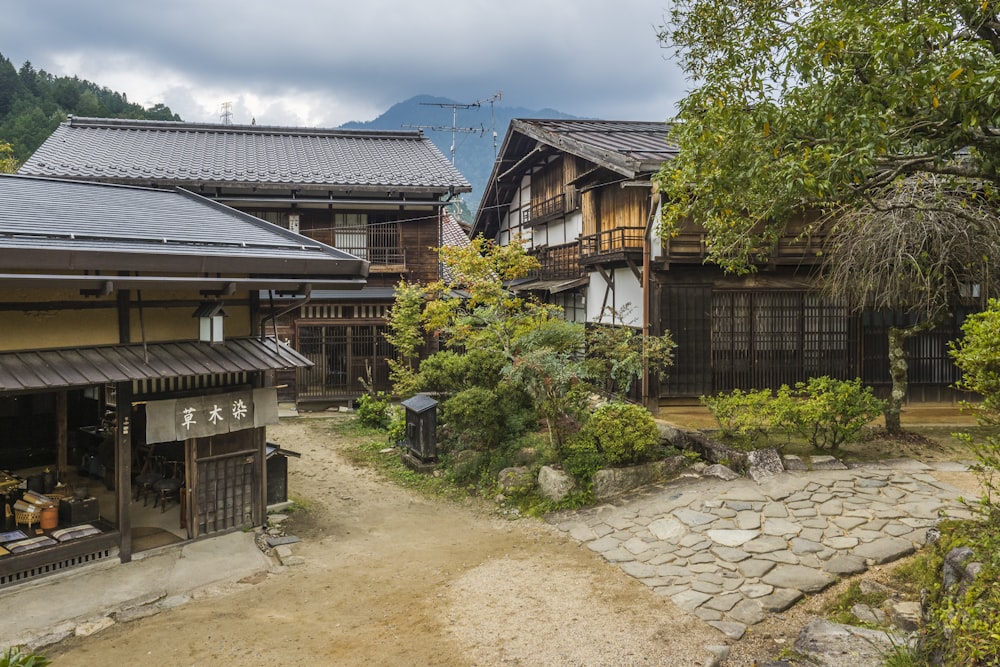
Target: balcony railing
column 544, row 211
column 691, row 244
column 558, row 262
column 620, row 241
column 379, row 244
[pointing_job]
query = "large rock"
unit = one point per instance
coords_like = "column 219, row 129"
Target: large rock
column 717, row 452
column 611, row 482
column 763, row 463
column 720, row 471
column 954, row 567
column 830, row 644
column 905, row 615
column 518, row 478
column 555, row 484
column 673, row 436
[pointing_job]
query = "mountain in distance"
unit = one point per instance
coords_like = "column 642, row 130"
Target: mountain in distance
column 474, row 153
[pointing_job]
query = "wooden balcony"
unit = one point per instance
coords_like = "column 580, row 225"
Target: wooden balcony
column 379, row 244
column 558, row 262
column 544, row 211
column 612, row 245
column 690, row 246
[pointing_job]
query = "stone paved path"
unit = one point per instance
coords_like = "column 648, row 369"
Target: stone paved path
column 731, row 552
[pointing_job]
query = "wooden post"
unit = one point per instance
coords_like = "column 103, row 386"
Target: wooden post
column 192, row 509
column 62, row 434
column 123, row 469
column 260, row 442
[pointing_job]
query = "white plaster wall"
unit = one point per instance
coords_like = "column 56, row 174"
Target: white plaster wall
column 627, row 291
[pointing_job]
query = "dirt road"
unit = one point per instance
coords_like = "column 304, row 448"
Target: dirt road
column 391, row 578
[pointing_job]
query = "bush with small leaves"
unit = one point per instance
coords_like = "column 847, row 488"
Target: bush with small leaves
column 375, row 409
column 623, row 433
column 829, row 412
column 743, row 416
column 581, row 458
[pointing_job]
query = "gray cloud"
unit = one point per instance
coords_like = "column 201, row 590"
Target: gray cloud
column 316, row 62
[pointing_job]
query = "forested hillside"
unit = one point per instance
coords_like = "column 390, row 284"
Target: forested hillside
column 33, row 102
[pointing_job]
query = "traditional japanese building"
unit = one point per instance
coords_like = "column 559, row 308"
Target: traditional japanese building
column 379, row 195
column 135, row 381
column 580, row 194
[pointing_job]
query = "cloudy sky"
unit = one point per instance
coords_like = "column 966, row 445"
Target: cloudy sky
column 326, row 62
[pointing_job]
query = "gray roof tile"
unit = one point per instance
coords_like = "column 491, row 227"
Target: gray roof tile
column 58, row 215
column 194, row 153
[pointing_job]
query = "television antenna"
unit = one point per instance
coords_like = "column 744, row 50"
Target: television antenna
column 455, row 129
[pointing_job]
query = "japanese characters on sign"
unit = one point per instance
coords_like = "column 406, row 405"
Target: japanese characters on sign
column 214, row 414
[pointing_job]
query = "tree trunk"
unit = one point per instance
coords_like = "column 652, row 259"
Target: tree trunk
column 899, row 372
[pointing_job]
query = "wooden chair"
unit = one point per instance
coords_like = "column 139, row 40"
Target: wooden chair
column 150, row 473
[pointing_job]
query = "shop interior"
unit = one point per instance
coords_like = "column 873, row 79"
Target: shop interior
column 45, row 503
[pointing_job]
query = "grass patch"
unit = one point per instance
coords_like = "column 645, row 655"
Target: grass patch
column 838, row 609
column 372, row 450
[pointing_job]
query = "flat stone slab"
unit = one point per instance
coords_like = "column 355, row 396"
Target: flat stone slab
column 826, row 463
column 845, row 565
column 799, row 577
column 732, row 538
column 668, row 529
column 834, row 645
column 885, row 550
column 283, row 539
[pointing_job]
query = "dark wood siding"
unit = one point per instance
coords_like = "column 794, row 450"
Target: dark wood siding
column 227, row 482
column 420, row 237
column 753, row 339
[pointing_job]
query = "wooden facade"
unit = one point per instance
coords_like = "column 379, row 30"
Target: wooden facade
column 116, row 418
column 381, row 197
column 601, row 254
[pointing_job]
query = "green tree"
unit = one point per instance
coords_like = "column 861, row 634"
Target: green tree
column 882, row 116
column 824, row 104
column 8, row 163
column 475, row 308
column 620, row 353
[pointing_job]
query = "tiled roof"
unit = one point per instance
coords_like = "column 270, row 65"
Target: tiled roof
column 452, row 232
column 641, row 145
column 632, row 149
column 194, row 153
column 45, row 215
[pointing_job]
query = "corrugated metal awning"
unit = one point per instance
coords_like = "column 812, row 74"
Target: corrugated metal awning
column 551, row 286
column 45, row 369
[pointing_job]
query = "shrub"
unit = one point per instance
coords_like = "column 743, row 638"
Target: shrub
column 827, row 412
column 582, row 458
column 374, row 409
column 623, row 433
column 977, row 355
column 473, row 419
column 743, row 416
column 479, row 418
column 450, row 372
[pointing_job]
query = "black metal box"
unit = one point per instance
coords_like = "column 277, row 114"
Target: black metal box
column 73, row 511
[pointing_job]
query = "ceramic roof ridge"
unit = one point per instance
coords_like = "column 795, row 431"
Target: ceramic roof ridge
column 223, row 128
